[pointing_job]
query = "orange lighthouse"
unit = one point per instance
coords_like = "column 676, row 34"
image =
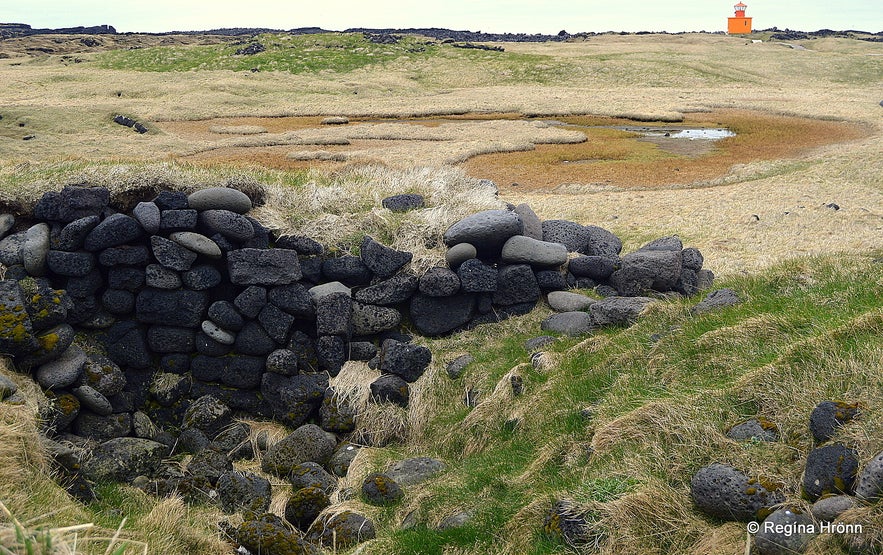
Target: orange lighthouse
column 739, row 24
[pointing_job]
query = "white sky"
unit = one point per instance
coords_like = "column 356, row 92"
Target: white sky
column 525, row 16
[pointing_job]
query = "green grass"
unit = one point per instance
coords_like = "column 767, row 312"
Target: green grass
column 661, row 406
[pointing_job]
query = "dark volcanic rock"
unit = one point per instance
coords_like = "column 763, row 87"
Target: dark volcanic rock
column 347, row 269
column 263, row 266
column 433, row 316
column 116, row 229
column 172, row 255
column 172, row 308
column 477, row 277
column 403, row 202
column 827, row 416
column 487, row 231
column 516, row 284
column 601, row 243
column 439, row 282
column 393, row 291
column 70, row 263
column 723, row 492
column 830, row 469
column 390, row 388
column 383, row 261
column 571, row 235
column 404, row 360
column 231, row 225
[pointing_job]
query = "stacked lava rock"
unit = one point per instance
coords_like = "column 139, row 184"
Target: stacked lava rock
column 502, row 261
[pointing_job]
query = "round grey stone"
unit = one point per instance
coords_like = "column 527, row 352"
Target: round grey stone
column 35, row 248
column 533, row 226
column 569, row 323
column 565, row 301
column 282, row 361
column 618, row 311
column 459, row 254
column 784, row 532
column 196, row 242
column 525, row 250
column 63, row 371
column 723, row 492
column 828, row 509
column 754, row 429
column 93, row 400
column 220, row 198
column 308, row 443
column 148, row 215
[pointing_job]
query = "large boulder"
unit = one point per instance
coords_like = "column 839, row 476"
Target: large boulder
column 723, row 492
column 487, row 231
column 601, row 243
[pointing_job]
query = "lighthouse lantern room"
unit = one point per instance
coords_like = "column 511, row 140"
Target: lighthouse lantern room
column 739, row 24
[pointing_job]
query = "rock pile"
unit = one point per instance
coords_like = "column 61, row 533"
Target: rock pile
column 180, row 311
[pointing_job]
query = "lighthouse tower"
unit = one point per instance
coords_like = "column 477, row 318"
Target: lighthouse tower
column 739, row 24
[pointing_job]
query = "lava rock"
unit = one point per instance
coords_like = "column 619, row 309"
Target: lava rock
column 263, row 266
column 390, row 388
column 369, row 319
column 383, row 261
column 231, row 225
column 573, row 324
column 160, row 277
column 342, row 529
column 251, row 301
column 477, row 277
column 439, row 282
column 73, row 236
column 487, row 231
column 172, row 255
column 254, row 340
column 63, row 371
column 403, row 202
column 347, row 269
column 200, row 244
column 533, row 226
column 207, row 414
column 601, row 243
column 243, row 492
column 723, row 492
column 225, row 315
column 716, row 300
column 304, row 506
column 870, row 481
column 308, row 443
column 435, row 316
column 757, row 429
column 116, row 229
column 784, row 532
column 127, row 279
column 404, row 360
column 380, row 489
column 220, row 198
column 177, row 220
column 394, row 290
column 35, row 249
column 410, row 472
column 564, row 301
column 827, row 416
column 572, row 235
column 830, row 469
column 618, row 311
column 827, row 509
column 123, row 459
column 516, row 284
column 148, row 215
column 294, row 299
column 171, row 308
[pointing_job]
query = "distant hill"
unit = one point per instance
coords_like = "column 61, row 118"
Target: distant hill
column 10, row 30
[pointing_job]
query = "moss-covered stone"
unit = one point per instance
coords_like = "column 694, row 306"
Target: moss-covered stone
column 268, row 535
column 16, row 331
column 304, row 506
column 342, row 530
column 380, row 489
